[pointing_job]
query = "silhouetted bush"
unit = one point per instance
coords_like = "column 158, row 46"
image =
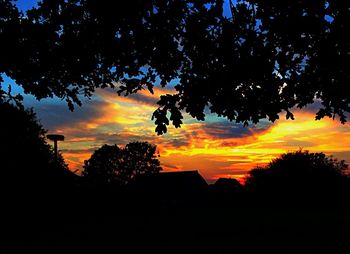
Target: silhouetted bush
column 227, row 192
column 227, row 185
column 299, row 177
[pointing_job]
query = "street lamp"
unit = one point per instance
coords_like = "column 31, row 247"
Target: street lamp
column 55, row 138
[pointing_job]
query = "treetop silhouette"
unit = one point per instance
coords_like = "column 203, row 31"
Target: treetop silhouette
column 301, row 175
column 112, row 165
column 27, row 162
column 264, row 58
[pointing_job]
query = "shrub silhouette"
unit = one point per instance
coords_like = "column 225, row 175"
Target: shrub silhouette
column 117, row 166
column 299, row 176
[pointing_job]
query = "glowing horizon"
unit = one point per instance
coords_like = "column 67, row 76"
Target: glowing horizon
column 215, row 147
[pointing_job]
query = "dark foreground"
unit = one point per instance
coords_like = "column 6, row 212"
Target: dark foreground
column 143, row 224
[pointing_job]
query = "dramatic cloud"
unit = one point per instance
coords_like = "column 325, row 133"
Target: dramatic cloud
column 56, row 115
column 228, row 130
column 215, row 147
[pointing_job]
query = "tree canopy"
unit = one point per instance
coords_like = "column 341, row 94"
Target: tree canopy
column 299, row 175
column 117, row 166
column 252, row 62
column 27, row 162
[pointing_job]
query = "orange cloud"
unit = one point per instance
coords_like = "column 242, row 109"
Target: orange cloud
column 259, row 148
column 216, row 147
column 76, row 160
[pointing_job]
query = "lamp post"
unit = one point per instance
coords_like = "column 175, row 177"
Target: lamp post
column 55, row 138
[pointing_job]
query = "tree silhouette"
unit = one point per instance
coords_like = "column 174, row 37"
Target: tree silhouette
column 300, row 175
column 142, row 158
column 27, row 162
column 117, row 166
column 242, row 65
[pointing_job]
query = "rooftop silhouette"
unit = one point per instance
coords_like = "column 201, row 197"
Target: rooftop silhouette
column 178, row 182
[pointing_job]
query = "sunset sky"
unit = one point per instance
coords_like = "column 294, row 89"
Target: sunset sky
column 215, row 147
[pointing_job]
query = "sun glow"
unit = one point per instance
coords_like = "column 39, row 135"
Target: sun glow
column 216, row 147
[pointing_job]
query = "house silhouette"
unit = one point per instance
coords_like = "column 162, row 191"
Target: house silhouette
column 177, row 183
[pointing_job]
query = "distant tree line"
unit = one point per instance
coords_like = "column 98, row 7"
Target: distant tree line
column 28, row 166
